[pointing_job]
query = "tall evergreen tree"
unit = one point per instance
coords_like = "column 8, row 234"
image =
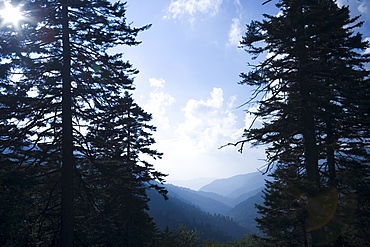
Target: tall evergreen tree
column 285, row 203
column 313, row 93
column 115, row 175
column 33, row 53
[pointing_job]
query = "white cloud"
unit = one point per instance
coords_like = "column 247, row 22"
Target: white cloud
column 191, row 147
column 364, row 8
column 367, row 51
column 209, row 124
column 158, row 103
column 235, row 33
column 181, row 8
column 250, row 120
column 154, row 82
column 340, row 2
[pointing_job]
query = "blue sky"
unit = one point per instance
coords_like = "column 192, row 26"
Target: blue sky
column 189, row 65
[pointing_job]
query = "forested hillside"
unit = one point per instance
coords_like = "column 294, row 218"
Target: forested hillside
column 236, row 189
column 174, row 212
column 207, row 202
column 236, row 186
column 206, row 212
column 245, row 213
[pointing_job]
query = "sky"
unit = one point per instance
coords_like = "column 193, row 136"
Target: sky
column 189, row 64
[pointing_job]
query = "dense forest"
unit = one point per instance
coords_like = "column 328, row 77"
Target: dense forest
column 76, row 149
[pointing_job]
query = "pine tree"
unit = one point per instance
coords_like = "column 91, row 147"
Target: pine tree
column 34, row 79
column 116, row 174
column 313, row 92
column 284, row 202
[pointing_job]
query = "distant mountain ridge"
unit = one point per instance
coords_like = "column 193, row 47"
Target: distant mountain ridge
column 236, row 186
column 173, row 212
column 207, row 201
column 207, row 210
column 245, row 212
column 194, row 184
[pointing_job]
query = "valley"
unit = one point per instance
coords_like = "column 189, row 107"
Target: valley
column 222, row 209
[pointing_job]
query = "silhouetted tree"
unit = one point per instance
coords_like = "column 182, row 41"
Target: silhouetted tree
column 313, row 93
column 114, row 175
column 34, row 55
column 180, row 236
column 284, row 202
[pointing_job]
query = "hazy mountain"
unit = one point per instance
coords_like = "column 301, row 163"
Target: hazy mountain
column 217, row 197
column 245, row 212
column 221, row 194
column 223, row 210
column 172, row 212
column 244, row 197
column 194, row 184
column 206, row 201
column 236, row 186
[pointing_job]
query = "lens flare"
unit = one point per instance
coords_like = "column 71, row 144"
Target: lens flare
column 10, row 14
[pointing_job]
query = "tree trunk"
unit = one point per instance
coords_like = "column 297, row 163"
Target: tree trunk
column 334, row 224
column 311, row 163
column 67, row 215
column 308, row 125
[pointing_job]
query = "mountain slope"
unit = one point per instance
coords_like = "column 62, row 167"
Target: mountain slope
column 206, row 201
column 172, row 212
column 244, row 197
column 245, row 212
column 194, row 184
column 236, row 186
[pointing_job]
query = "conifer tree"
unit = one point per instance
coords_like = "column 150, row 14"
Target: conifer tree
column 33, row 53
column 285, row 203
column 313, row 92
column 115, row 174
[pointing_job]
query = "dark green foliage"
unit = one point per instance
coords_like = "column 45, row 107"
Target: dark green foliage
column 109, row 129
column 354, row 182
column 180, row 237
column 284, row 213
column 15, row 190
column 313, row 95
column 245, row 212
column 199, row 199
column 114, row 176
column 173, row 212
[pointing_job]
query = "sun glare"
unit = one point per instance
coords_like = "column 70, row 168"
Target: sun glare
column 10, row 14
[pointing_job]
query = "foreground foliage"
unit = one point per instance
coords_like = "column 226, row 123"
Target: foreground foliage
column 180, row 236
column 111, row 137
column 313, row 94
